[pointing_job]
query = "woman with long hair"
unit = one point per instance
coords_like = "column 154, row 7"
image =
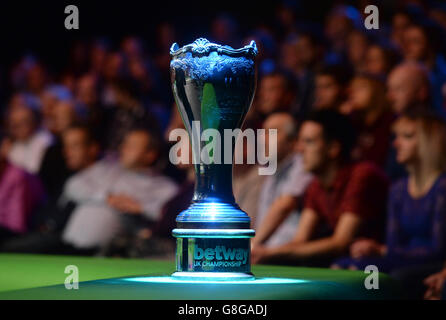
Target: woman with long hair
column 416, row 222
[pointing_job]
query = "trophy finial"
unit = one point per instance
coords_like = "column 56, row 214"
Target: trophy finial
column 201, row 45
column 201, row 42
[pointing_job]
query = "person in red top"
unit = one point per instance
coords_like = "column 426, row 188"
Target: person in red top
column 345, row 200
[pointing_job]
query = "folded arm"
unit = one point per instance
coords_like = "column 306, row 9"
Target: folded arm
column 277, row 213
column 301, row 248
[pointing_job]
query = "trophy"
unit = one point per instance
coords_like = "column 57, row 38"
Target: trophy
column 213, row 87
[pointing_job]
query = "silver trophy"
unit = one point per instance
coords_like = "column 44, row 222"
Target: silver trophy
column 214, row 87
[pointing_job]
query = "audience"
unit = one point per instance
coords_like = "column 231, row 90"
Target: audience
column 80, row 151
column 112, row 195
column 420, row 42
column 416, row 220
column 54, row 171
column 277, row 92
column 83, row 166
column 20, row 194
column 276, row 218
column 400, row 22
column 344, row 201
column 330, row 87
column 144, row 239
column 372, row 117
column 247, row 183
column 301, row 55
column 357, row 46
column 28, row 142
column 408, row 86
column 380, row 59
column 51, row 96
column 125, row 112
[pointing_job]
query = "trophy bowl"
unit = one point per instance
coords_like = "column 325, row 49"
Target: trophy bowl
column 213, row 86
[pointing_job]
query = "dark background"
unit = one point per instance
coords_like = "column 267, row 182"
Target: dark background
column 38, row 26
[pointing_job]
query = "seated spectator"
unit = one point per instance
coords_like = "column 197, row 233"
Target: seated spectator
column 408, row 87
column 98, row 56
column 276, row 93
column 420, row 44
column 111, row 195
column 87, row 91
column 51, row 96
column 372, row 117
column 277, row 215
column 29, row 75
column 80, row 150
column 156, row 240
column 343, row 202
column 380, row 59
column 53, row 171
column 28, row 141
column 112, row 71
column 20, row 194
column 416, row 222
column 127, row 112
column 87, row 94
column 339, row 22
column 401, row 20
column 301, row 55
column 357, row 45
column 330, row 87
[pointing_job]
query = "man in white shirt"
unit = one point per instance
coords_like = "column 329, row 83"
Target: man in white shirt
column 110, row 189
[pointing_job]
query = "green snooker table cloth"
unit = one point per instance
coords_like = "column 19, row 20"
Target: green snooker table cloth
column 43, row 277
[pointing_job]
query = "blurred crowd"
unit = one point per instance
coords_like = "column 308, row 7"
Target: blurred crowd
column 361, row 177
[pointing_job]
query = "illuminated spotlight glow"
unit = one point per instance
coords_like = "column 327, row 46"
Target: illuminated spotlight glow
column 189, row 281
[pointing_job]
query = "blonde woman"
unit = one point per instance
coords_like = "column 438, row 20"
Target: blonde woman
column 416, row 223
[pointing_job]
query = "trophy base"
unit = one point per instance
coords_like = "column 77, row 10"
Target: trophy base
column 213, row 276
column 213, row 253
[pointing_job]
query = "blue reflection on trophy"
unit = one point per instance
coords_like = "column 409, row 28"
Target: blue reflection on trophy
column 213, row 86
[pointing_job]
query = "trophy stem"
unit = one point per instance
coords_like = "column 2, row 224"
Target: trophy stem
column 214, row 183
